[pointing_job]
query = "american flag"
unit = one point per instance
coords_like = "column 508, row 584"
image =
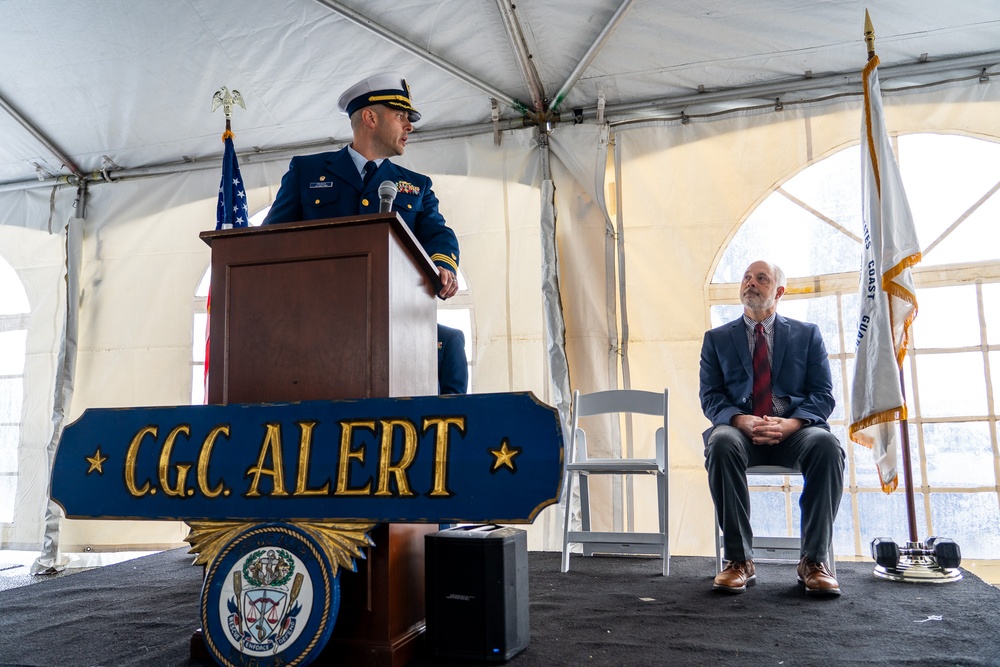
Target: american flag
column 232, row 210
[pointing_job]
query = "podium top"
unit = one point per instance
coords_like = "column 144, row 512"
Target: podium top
column 404, row 233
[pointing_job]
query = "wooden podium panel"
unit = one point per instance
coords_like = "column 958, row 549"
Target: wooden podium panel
column 377, row 626
column 334, row 309
column 328, row 309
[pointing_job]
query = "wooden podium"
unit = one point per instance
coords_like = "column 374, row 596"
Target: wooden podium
column 334, row 309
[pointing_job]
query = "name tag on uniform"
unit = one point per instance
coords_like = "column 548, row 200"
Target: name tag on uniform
column 327, row 184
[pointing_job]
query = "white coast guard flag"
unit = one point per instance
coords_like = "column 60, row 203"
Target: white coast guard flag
column 888, row 298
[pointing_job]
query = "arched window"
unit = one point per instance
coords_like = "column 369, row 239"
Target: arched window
column 456, row 312
column 811, row 227
column 14, row 315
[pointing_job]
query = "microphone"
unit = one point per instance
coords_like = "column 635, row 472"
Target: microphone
column 386, row 193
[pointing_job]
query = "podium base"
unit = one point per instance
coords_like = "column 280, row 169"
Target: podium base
column 198, row 649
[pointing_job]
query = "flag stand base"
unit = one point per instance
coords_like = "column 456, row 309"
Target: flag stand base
column 918, row 564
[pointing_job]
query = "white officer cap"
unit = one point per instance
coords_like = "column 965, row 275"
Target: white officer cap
column 388, row 89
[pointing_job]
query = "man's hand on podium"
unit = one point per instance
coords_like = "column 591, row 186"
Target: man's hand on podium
column 449, row 284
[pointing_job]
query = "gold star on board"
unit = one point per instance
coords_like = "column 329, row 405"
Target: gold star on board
column 504, row 456
column 95, row 462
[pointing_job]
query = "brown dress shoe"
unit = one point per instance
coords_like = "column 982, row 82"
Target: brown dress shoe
column 735, row 577
column 816, row 578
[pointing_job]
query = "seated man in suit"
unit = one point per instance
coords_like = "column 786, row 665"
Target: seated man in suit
column 766, row 388
column 345, row 182
column 453, row 365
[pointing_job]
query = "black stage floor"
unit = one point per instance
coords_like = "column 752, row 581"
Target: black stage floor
column 605, row 611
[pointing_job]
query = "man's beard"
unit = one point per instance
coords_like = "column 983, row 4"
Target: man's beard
column 756, row 301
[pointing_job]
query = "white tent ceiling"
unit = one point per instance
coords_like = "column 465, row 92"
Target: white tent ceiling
column 133, row 81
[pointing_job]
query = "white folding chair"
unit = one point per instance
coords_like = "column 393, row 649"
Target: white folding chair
column 580, row 466
column 772, row 548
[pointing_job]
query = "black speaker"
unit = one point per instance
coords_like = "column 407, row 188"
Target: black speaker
column 477, row 593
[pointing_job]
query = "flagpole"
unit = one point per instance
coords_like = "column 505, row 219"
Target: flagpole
column 904, row 430
column 937, row 559
column 904, row 434
column 869, row 35
column 232, row 197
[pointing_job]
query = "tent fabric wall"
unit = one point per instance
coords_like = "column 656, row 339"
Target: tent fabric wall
column 38, row 257
column 685, row 189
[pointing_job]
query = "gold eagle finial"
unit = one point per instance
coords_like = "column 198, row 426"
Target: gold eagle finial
column 226, row 99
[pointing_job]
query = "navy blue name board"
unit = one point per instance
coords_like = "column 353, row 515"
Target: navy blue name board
column 437, row 459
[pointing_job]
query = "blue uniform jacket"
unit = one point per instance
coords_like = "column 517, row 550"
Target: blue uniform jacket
column 327, row 185
column 800, row 372
column 453, row 369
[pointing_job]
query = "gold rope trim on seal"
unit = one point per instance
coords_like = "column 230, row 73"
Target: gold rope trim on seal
column 324, row 617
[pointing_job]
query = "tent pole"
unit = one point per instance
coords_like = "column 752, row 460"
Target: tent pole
column 624, row 335
column 851, row 80
column 368, row 24
column 51, row 560
column 660, row 107
column 555, row 328
column 591, row 53
column 40, row 136
column 516, row 36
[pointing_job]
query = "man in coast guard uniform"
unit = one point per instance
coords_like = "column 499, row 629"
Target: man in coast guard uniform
column 453, row 365
column 334, row 184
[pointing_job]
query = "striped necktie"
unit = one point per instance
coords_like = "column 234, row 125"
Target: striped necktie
column 762, row 400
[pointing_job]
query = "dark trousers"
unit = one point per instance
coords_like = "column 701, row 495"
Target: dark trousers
column 813, row 451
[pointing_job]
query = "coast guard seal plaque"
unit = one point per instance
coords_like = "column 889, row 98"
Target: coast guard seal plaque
column 270, row 598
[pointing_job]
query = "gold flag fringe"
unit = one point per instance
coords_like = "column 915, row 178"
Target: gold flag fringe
column 865, row 74
column 892, row 414
column 895, row 289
